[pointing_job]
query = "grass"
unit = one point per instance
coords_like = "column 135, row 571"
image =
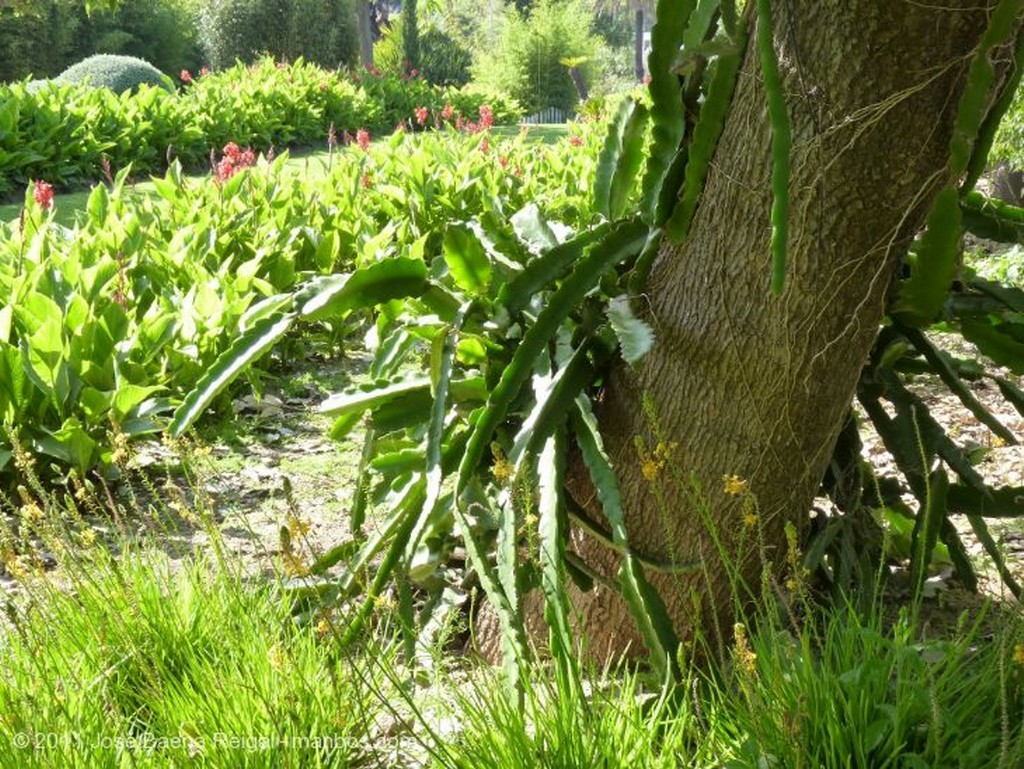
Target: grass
column 136, row 662
column 125, row 657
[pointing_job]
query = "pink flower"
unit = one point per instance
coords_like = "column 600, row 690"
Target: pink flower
column 204, row 71
column 421, row 115
column 233, row 161
column 366, row 181
column 458, row 123
column 486, row 117
column 485, row 146
column 503, row 161
column 44, row 195
column 363, row 139
column 447, row 112
column 576, row 140
column 186, row 76
column 647, row 79
column 415, row 73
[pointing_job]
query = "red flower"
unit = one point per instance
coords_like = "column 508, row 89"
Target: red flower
column 323, row 85
column 576, row 140
column 363, row 139
column 415, row 73
column 234, row 160
column 486, row 117
column 447, row 112
column 186, row 76
column 647, row 79
column 503, row 161
column 485, row 146
column 204, row 71
column 366, row 181
column 421, row 115
column 44, row 195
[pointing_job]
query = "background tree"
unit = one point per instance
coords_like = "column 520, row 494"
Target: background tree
column 410, row 35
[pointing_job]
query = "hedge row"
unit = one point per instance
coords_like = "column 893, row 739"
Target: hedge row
column 65, row 134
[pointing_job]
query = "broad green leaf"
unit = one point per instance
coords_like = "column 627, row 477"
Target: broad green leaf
column 466, row 259
column 667, row 112
column 1002, row 348
column 934, row 265
column 244, row 350
column 622, row 241
column 533, row 229
column 553, row 532
column 620, row 159
column 541, row 272
column 359, row 400
column 644, row 602
column 635, row 337
column 391, row 278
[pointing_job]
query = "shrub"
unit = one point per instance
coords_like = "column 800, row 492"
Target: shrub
column 443, row 60
column 61, row 132
column 163, row 32
column 321, row 31
column 40, row 41
column 118, row 73
column 528, row 61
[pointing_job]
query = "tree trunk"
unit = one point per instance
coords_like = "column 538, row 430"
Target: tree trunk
column 364, row 24
column 746, row 383
column 638, row 46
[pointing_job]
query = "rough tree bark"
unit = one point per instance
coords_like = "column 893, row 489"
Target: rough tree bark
column 638, row 44
column 756, row 385
column 364, row 25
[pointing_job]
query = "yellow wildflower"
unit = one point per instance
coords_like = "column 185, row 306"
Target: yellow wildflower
column 277, row 656
column 296, row 526
column 294, row 564
column 323, row 626
column 745, row 657
column 650, row 469
column 31, row 512
column 750, row 519
column 733, row 485
column 1018, row 654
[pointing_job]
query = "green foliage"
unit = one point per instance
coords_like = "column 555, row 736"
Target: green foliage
column 39, row 42
column 61, row 133
column 443, row 59
column 410, row 37
column 527, row 61
column 321, row 31
column 120, row 317
column 163, row 33
column 166, row 655
column 117, row 73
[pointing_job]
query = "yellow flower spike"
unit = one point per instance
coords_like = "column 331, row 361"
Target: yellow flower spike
column 650, row 469
column 277, row 657
column 745, row 657
column 1018, row 654
column 733, row 485
column 296, row 526
column 294, row 565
